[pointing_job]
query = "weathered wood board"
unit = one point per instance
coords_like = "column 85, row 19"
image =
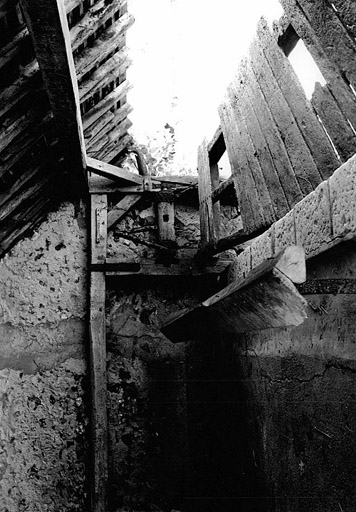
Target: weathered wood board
column 205, row 201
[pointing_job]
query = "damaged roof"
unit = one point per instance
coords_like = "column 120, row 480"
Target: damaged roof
column 47, row 124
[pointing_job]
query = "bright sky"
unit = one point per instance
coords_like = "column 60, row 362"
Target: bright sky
column 185, row 53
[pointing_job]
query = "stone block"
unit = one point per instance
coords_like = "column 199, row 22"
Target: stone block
column 343, row 199
column 313, row 221
column 261, row 248
column 284, row 232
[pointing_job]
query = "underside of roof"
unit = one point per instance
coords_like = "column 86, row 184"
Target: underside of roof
column 41, row 144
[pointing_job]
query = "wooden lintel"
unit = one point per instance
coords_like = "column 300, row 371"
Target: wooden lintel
column 112, row 172
column 97, row 332
column 103, row 185
column 267, row 298
column 216, row 194
column 47, row 23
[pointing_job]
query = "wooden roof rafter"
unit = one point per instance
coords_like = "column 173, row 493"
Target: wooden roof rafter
column 47, row 23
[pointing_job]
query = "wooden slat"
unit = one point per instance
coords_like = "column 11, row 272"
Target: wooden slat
column 103, row 127
column 104, row 75
column 251, row 210
column 274, row 141
column 105, row 104
column 118, row 130
column 323, row 56
column 14, row 47
column 97, row 331
column 93, row 19
column 29, row 80
column 47, row 23
column 103, row 46
column 207, row 235
column 250, row 157
column 112, row 150
column 112, row 172
column 271, row 193
column 346, row 10
column 299, row 155
column 267, row 298
column 122, row 208
column 260, row 148
column 308, row 124
column 334, row 121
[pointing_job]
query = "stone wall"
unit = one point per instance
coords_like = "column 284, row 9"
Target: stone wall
column 43, row 410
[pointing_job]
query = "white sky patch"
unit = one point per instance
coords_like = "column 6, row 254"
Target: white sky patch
column 185, row 53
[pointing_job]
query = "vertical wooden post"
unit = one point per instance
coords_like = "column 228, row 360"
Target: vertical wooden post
column 214, row 174
column 97, row 332
column 165, row 213
column 205, row 200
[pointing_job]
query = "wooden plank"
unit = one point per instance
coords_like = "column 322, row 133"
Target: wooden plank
column 334, row 121
column 339, row 46
column 251, row 211
column 323, row 58
column 249, row 151
column 165, row 217
column 207, row 235
column 14, row 47
column 214, row 174
column 112, row 150
column 97, row 331
column 267, row 298
column 47, row 24
column 308, row 124
column 299, row 155
column 122, row 208
column 346, row 10
column 112, row 172
column 119, row 129
column 216, row 147
column 259, row 146
column 29, row 80
column 275, row 144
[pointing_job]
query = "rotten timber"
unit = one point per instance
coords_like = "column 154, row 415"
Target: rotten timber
column 267, row 298
column 47, row 23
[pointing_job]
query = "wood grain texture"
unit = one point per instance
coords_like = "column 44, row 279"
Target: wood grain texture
column 97, row 334
column 334, row 121
column 302, row 161
column 121, row 209
column 165, row 217
column 47, row 24
column 207, row 235
column 327, row 63
column 288, row 82
column 112, row 172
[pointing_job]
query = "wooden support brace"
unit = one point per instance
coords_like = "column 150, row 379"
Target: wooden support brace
column 267, row 298
column 165, row 213
column 97, row 333
column 112, row 172
column 122, row 208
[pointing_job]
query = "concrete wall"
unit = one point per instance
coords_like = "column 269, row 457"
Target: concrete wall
column 43, row 410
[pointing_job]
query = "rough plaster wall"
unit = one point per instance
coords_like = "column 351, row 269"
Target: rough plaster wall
column 300, row 390
column 42, row 373
column 147, row 373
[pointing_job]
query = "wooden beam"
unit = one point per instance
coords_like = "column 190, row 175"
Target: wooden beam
column 186, row 267
column 216, row 194
column 207, row 234
column 165, row 215
column 97, row 332
column 112, row 172
column 266, row 299
column 216, row 147
column 122, row 208
column 47, row 24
